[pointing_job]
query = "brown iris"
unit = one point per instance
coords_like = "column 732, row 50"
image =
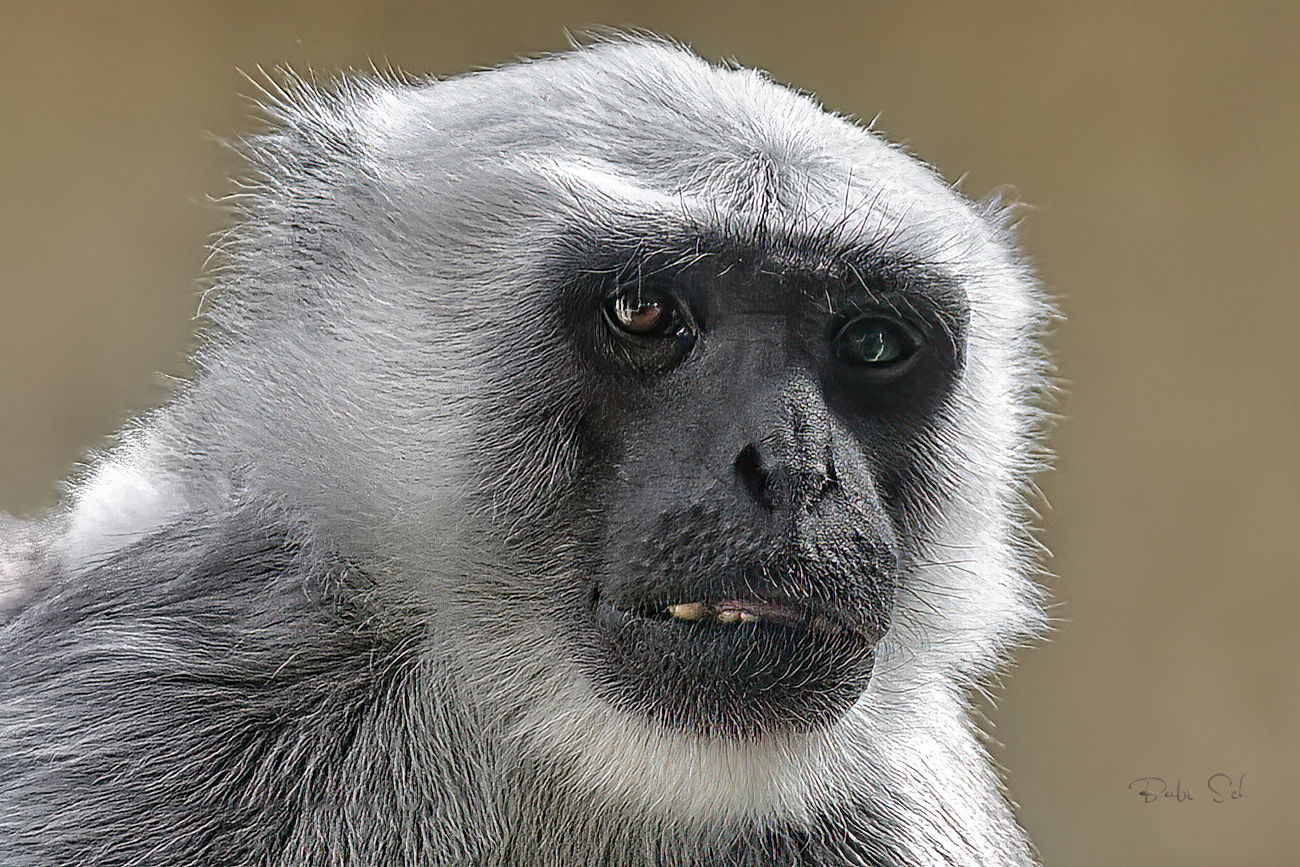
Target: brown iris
column 639, row 312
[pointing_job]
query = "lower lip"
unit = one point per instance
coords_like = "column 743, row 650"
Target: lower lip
column 733, row 679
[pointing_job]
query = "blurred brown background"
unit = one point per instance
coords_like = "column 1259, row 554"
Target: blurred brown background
column 1160, row 144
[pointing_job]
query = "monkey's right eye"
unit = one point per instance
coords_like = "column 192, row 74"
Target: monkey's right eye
column 651, row 330
column 643, row 311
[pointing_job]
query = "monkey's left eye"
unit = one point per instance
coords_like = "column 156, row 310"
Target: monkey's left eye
column 644, row 312
column 875, row 342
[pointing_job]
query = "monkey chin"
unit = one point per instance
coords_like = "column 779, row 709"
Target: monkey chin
column 732, row 668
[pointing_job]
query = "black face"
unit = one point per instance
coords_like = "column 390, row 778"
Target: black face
column 755, row 442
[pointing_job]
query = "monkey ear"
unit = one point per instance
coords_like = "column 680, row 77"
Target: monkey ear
column 1003, row 208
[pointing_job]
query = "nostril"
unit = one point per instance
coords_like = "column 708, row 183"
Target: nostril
column 750, row 471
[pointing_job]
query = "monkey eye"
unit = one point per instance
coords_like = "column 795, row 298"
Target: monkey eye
column 644, row 311
column 875, row 341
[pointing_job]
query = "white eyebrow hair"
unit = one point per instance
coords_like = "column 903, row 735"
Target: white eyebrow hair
column 603, row 180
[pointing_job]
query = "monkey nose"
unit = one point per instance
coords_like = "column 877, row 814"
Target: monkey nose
column 785, row 485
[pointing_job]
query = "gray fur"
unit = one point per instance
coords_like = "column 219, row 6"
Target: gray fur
column 313, row 611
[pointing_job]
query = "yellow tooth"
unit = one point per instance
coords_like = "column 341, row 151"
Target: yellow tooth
column 748, row 617
column 728, row 615
column 687, row 610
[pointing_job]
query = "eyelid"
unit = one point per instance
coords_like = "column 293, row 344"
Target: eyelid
column 912, row 324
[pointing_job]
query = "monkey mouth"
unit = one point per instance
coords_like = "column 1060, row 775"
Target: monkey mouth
column 725, row 612
column 732, row 666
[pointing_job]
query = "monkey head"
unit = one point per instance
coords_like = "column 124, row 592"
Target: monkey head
column 676, row 431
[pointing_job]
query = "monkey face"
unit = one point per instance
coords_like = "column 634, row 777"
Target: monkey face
column 701, row 391
column 753, row 451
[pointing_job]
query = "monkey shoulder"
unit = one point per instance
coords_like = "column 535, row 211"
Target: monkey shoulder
column 252, row 579
column 201, row 694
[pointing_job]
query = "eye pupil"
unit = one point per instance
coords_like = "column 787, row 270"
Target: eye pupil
column 872, row 341
column 874, row 347
column 642, row 311
column 639, row 316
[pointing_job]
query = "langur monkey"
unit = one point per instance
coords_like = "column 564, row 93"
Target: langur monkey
column 606, row 459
